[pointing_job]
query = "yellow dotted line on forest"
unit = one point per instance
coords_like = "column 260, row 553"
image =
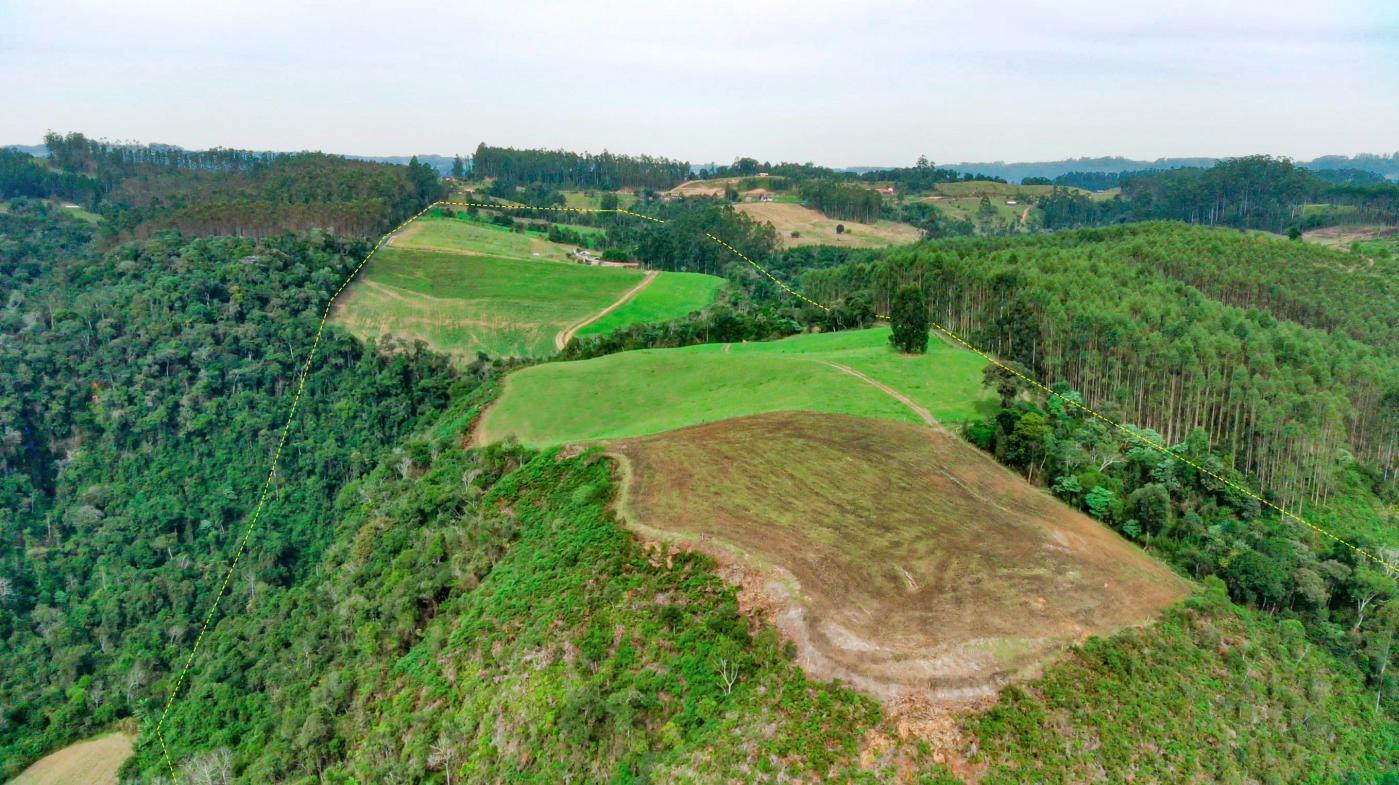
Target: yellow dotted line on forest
column 320, row 330
column 266, row 489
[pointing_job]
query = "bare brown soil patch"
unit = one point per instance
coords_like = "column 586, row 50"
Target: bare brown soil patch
column 1342, row 236
column 895, row 556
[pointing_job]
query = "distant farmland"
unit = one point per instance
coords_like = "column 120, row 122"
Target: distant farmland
column 813, row 228
column 465, row 287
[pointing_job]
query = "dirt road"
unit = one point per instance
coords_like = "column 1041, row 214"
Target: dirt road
column 561, row 340
column 923, row 414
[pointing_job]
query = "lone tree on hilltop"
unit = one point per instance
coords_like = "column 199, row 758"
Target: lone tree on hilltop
column 909, row 314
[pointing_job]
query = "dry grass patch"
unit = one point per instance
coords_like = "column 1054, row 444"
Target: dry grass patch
column 1341, row 237
column 896, row 556
column 91, row 762
column 813, row 228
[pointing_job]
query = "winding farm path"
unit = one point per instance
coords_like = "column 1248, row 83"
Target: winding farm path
column 561, row 340
column 923, row 414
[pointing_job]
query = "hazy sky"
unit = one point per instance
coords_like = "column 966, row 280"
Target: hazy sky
column 838, row 83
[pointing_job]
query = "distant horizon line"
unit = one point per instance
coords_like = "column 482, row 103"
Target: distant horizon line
column 709, row 164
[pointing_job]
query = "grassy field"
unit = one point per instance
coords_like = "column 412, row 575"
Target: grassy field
column 898, row 557
column 816, row 229
column 464, row 286
column 431, row 233
column 979, row 188
column 969, row 208
column 91, row 762
column 668, row 297
column 590, row 200
column 655, row 390
column 461, row 304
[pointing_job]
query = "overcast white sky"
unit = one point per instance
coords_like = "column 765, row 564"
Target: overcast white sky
column 839, row 83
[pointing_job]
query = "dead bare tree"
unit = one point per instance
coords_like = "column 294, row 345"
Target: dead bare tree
column 443, row 755
column 728, row 675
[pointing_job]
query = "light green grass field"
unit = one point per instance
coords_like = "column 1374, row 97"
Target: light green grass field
column 461, row 304
column 656, row 390
column 83, row 215
column 464, row 286
column 670, row 296
column 431, row 233
column 590, row 200
column 969, row 208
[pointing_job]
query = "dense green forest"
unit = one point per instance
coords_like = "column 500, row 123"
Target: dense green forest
column 144, row 390
column 1203, row 524
column 922, row 177
column 564, row 169
column 1254, row 192
column 141, row 189
column 843, row 200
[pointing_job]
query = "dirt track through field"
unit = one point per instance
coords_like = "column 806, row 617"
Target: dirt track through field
column 561, row 340
column 923, row 414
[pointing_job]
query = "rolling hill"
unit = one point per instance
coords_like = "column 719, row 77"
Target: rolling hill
column 797, row 225
column 654, row 390
column 898, row 557
column 465, row 287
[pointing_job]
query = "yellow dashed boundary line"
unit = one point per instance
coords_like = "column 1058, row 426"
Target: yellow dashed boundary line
column 320, row 330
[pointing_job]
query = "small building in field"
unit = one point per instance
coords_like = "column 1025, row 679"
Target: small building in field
column 584, row 256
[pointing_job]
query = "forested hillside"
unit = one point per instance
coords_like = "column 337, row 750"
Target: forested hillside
column 1291, row 389
column 564, row 169
column 145, row 189
column 1096, row 311
column 1253, row 192
column 413, row 609
column 143, row 392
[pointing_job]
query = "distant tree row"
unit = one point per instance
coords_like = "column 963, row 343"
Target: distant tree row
column 563, row 169
column 1088, row 181
column 685, row 241
column 1256, row 192
column 24, row 175
column 750, row 167
column 146, row 188
column 922, row 177
column 845, row 201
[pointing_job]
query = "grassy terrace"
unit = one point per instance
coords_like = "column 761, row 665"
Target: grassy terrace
column 654, row 390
